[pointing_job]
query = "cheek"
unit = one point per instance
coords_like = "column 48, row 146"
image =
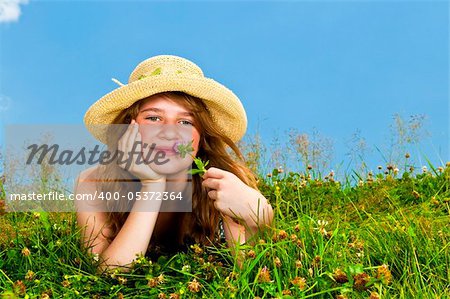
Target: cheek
column 146, row 133
column 191, row 134
column 196, row 137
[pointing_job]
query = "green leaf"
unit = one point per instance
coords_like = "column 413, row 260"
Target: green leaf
column 199, row 163
column 355, row 269
column 187, row 148
column 195, row 171
column 411, row 232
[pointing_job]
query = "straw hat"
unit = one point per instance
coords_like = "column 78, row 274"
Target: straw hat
column 169, row 73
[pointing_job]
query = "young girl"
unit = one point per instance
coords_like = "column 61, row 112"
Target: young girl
column 168, row 102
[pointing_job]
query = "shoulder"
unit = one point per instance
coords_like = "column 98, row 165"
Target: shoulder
column 86, row 185
column 88, row 174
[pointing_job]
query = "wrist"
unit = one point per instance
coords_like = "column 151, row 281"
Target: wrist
column 258, row 209
column 153, row 182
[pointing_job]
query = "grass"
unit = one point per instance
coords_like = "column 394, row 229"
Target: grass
column 386, row 237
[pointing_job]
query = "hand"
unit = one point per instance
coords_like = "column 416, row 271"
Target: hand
column 126, row 142
column 231, row 196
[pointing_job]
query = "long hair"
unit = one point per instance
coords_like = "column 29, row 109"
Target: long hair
column 201, row 225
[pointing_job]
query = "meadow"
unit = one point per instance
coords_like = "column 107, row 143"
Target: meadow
column 384, row 234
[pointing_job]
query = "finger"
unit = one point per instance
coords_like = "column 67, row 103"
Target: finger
column 212, row 183
column 144, row 148
column 122, row 144
column 214, row 172
column 124, row 136
column 213, row 194
column 128, row 144
column 131, row 137
column 137, row 139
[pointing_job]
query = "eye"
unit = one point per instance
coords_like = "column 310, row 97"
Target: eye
column 153, row 118
column 186, row 122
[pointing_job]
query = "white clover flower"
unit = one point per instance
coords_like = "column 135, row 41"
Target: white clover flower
column 322, row 222
column 186, row 268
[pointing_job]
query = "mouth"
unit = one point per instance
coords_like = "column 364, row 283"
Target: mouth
column 167, row 150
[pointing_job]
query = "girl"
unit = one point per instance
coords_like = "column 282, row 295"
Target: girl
column 167, row 103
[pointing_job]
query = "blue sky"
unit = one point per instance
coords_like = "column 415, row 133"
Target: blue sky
column 333, row 66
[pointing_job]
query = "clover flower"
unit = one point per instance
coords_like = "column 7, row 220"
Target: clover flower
column 384, row 274
column 197, row 249
column 374, row 295
column 300, row 282
column 282, row 234
column 152, row 282
column 277, row 262
column 29, row 275
column 161, row 279
column 321, row 227
column 19, row 287
column 65, row 283
column 26, row 251
column 194, row 286
column 340, row 276
column 361, row 281
column 122, row 280
column 264, row 275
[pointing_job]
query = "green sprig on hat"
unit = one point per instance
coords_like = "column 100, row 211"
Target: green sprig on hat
column 154, row 73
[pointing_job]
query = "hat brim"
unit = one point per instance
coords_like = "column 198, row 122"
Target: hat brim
column 225, row 107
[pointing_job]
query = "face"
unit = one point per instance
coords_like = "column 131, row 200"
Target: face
column 163, row 122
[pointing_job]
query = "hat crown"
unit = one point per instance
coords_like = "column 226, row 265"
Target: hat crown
column 165, row 65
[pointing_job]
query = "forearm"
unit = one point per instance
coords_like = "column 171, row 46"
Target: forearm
column 134, row 236
column 258, row 214
column 235, row 235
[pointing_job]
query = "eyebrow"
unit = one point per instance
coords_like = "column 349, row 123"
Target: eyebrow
column 162, row 111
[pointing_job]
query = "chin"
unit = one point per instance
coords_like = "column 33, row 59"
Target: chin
column 172, row 169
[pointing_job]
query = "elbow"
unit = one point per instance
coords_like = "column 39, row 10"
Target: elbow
column 267, row 217
column 269, row 221
column 111, row 270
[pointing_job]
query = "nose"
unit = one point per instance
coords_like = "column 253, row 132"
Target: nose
column 169, row 132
